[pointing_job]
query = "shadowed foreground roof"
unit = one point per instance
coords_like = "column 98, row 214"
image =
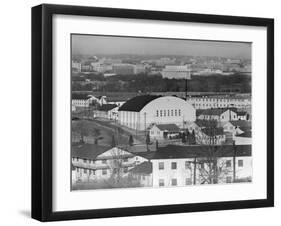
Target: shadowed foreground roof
column 107, row 107
column 137, row 103
column 80, row 96
column 168, row 127
column 177, row 152
column 247, row 134
column 216, row 111
column 88, row 151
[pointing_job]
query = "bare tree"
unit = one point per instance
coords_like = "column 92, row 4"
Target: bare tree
column 118, row 166
column 210, row 167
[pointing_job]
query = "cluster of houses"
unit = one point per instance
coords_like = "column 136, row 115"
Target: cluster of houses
column 168, row 117
column 221, row 141
column 168, row 166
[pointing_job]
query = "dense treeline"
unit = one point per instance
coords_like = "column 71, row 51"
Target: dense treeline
column 155, row 83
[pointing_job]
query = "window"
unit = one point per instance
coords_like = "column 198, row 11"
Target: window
column 85, row 171
column 228, row 179
column 228, row 163
column 93, row 172
column 157, row 113
column 125, row 160
column 164, row 113
column 85, row 160
column 172, row 112
column 161, row 183
column 161, row 165
column 104, row 171
column 240, row 163
column 168, row 112
column 160, row 113
column 187, row 165
column 174, row 182
column 103, row 161
column 179, row 112
column 125, row 170
column 188, row 181
column 174, row 165
column 176, row 112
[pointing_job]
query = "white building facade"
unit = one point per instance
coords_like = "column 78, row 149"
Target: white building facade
column 176, row 72
column 142, row 111
column 205, row 102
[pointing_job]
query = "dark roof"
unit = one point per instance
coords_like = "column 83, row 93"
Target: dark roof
column 107, row 107
column 88, row 151
column 206, row 123
column 242, row 123
column 178, row 152
column 212, row 131
column 137, row 103
column 242, row 113
column 80, row 96
column 143, row 168
column 213, row 111
column 216, row 111
column 199, row 112
column 168, row 127
column 245, row 134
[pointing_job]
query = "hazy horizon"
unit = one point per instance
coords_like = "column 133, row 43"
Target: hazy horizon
column 110, row 45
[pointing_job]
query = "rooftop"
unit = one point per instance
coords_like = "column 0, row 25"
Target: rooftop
column 247, row 134
column 213, row 131
column 242, row 124
column 137, row 103
column 107, row 107
column 88, row 151
column 216, row 111
column 80, row 96
column 168, row 127
column 178, row 152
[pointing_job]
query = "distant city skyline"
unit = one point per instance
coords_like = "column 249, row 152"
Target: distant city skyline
column 107, row 45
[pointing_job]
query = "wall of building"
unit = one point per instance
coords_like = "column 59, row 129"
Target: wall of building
column 162, row 110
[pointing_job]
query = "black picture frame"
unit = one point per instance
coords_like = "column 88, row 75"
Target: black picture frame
column 42, row 107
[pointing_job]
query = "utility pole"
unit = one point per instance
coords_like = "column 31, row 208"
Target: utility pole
column 194, row 173
column 186, row 78
column 234, row 161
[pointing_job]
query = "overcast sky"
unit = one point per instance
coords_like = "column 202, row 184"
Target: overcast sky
column 90, row 44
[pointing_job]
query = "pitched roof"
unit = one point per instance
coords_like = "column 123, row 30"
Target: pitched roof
column 242, row 113
column 247, row 134
column 206, row 123
column 213, row 131
column 107, row 107
column 178, row 152
column 216, row 111
column 143, row 168
column 137, row 103
column 242, row 123
column 168, row 127
column 88, row 151
column 80, row 96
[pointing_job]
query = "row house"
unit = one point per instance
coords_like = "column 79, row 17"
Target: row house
column 189, row 165
column 92, row 162
column 205, row 102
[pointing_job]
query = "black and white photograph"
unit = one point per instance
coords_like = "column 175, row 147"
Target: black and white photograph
column 159, row 112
